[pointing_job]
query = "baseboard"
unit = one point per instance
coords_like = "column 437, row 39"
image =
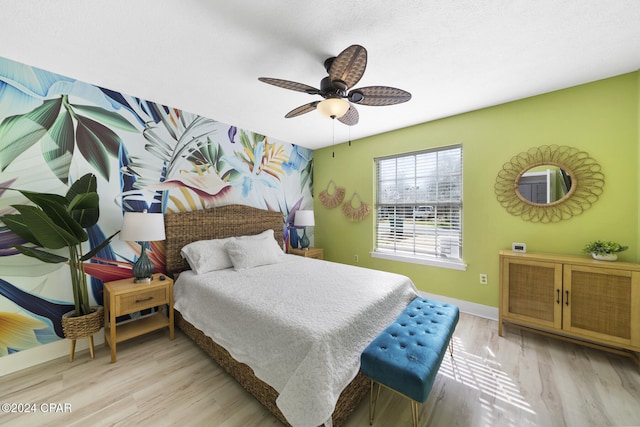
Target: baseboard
column 35, row 356
column 479, row 310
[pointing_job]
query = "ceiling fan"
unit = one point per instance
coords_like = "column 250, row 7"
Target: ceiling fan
column 345, row 70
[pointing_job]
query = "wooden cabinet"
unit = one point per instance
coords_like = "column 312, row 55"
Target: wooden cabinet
column 317, row 253
column 125, row 297
column 596, row 303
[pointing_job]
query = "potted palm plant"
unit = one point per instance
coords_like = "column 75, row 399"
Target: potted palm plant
column 604, row 250
column 55, row 222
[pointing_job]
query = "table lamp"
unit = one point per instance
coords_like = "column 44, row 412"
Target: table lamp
column 142, row 227
column 304, row 218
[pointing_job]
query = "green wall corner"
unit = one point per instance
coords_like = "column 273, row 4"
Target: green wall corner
column 601, row 118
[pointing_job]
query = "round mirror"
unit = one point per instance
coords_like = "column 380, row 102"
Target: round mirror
column 544, row 184
column 549, row 183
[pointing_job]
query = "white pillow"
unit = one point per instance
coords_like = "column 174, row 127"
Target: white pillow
column 249, row 253
column 207, row 255
column 264, row 235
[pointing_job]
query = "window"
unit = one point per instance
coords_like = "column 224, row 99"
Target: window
column 419, row 207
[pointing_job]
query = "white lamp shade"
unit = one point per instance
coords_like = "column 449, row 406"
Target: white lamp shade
column 333, row 107
column 142, row 227
column 304, row 218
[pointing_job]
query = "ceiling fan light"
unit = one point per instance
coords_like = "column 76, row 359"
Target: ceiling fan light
column 333, row 107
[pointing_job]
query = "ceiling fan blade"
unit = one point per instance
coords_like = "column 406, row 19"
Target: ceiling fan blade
column 287, row 84
column 302, row 109
column 349, row 66
column 351, row 117
column 378, row 95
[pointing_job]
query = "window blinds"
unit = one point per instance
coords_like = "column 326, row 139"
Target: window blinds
column 419, row 204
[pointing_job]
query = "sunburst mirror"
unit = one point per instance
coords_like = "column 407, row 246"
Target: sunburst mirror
column 549, row 183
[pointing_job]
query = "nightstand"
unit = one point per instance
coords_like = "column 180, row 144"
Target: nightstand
column 124, row 297
column 317, row 253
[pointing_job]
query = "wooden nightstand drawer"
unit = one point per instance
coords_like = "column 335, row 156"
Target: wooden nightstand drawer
column 130, row 303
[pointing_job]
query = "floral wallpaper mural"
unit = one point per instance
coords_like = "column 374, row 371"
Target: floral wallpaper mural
column 54, row 130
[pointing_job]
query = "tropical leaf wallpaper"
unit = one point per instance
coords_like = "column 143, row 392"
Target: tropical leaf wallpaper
column 54, row 129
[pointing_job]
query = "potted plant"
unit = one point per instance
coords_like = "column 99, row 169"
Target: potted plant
column 604, row 250
column 57, row 222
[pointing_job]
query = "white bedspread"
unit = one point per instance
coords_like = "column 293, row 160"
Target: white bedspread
column 301, row 325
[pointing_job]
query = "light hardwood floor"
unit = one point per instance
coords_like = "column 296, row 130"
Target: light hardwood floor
column 518, row 380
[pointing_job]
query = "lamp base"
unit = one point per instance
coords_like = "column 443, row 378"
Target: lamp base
column 143, row 268
column 304, row 240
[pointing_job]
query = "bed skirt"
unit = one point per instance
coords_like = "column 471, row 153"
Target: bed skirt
column 264, row 393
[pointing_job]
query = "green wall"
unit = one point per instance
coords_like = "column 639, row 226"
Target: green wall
column 638, row 136
column 600, row 118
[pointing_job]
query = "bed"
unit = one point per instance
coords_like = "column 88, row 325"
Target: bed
column 229, row 340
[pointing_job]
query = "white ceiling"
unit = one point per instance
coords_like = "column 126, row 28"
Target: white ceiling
column 205, row 56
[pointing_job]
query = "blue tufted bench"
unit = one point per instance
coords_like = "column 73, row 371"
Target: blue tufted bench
column 406, row 356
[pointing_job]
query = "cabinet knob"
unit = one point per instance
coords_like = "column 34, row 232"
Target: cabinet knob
column 567, row 300
column 558, row 296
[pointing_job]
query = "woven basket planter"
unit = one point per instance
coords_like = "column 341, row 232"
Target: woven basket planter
column 82, row 326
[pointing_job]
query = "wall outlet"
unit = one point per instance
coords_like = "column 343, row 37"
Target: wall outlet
column 355, row 259
column 483, row 279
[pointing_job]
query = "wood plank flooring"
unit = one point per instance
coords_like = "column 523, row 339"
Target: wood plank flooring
column 518, row 380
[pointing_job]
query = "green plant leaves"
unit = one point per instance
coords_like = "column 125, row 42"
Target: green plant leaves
column 41, row 255
column 54, row 207
column 52, row 125
column 106, row 117
column 45, row 199
column 15, row 223
column 84, row 209
column 603, row 247
column 57, row 146
column 57, row 221
column 93, row 252
column 49, row 234
column 96, row 142
column 83, row 201
column 19, row 133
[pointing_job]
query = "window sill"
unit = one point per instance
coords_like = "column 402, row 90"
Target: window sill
column 433, row 262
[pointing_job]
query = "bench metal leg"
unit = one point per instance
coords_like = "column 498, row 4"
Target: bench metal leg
column 451, row 346
column 374, row 395
column 373, row 402
column 415, row 412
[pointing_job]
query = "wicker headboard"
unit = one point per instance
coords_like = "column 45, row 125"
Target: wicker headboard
column 215, row 223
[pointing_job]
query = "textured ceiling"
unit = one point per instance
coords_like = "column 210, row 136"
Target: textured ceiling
column 205, row 56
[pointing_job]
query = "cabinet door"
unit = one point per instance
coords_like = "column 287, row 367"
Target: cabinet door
column 598, row 304
column 531, row 292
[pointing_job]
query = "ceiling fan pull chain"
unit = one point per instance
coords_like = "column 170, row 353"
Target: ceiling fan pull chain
column 333, row 152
